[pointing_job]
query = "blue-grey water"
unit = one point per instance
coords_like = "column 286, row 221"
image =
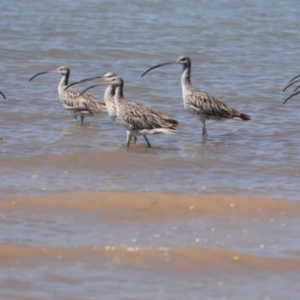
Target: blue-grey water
column 190, row 218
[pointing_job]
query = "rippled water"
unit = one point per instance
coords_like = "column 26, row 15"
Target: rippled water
column 81, row 218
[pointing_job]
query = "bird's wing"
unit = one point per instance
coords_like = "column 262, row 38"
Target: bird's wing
column 85, row 102
column 203, row 103
column 139, row 117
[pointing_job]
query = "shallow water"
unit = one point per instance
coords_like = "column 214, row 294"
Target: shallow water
column 189, row 218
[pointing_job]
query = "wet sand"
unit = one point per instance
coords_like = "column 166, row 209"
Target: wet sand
column 203, row 242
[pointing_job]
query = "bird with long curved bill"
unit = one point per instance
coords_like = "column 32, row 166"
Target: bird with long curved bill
column 198, row 103
column 77, row 103
column 109, row 94
column 136, row 118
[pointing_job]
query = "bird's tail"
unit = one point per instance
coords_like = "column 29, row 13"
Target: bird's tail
column 171, row 122
column 166, row 130
column 236, row 115
column 171, row 131
column 169, row 126
column 244, row 117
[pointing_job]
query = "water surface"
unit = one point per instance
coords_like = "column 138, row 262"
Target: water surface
column 218, row 218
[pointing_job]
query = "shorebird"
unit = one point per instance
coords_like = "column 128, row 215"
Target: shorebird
column 109, row 94
column 293, row 81
column 2, row 95
column 77, row 103
column 136, row 118
column 198, row 103
column 109, row 97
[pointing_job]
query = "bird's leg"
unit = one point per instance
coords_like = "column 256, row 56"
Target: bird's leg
column 132, row 136
column 148, row 144
column 75, row 118
column 129, row 137
column 204, row 131
column 81, row 119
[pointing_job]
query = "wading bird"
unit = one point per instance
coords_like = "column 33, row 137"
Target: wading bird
column 135, row 117
column 198, row 103
column 74, row 101
column 109, row 95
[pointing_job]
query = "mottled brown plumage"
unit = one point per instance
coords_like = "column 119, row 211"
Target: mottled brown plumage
column 109, row 93
column 135, row 117
column 201, row 104
column 109, row 99
column 74, row 101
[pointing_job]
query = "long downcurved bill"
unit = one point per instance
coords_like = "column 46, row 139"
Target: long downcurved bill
column 292, row 84
column 160, row 65
column 2, row 95
column 54, row 71
column 95, row 85
column 83, row 80
column 291, row 97
column 294, row 78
